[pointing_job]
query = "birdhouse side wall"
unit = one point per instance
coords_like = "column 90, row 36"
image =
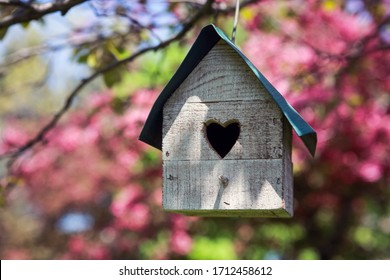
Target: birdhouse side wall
column 288, row 180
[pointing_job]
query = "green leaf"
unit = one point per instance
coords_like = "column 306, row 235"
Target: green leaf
column 119, row 104
column 25, row 24
column 92, row 60
column 152, row 247
column 2, row 199
column 82, row 58
column 213, row 249
column 364, row 236
column 112, row 77
column 329, row 5
column 118, row 53
column 247, row 14
column 3, row 31
column 308, row 254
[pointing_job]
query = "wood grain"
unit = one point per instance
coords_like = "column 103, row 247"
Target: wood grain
column 258, row 167
column 184, row 136
column 222, row 75
column 253, row 186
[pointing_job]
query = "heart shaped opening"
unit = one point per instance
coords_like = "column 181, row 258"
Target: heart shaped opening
column 222, row 137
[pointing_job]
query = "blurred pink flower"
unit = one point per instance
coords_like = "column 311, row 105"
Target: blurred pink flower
column 144, row 97
column 128, row 158
column 77, row 244
column 156, row 197
column 40, row 160
column 125, row 199
column 179, row 222
column 69, row 138
column 134, row 218
column 16, row 254
column 100, row 99
column 98, row 252
column 370, row 172
column 181, row 242
column 90, row 135
column 348, row 27
column 14, row 136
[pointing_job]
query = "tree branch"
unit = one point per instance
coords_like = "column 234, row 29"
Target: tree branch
column 205, row 10
column 15, row 3
column 27, row 12
column 29, row 52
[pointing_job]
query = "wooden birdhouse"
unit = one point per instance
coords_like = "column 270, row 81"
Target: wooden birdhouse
column 225, row 134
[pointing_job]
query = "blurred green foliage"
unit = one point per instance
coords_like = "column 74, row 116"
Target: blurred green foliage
column 220, row 248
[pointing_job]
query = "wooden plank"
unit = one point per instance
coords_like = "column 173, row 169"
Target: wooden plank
column 258, row 167
column 221, row 75
column 261, row 131
column 255, row 188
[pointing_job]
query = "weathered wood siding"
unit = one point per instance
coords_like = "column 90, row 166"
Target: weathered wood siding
column 258, row 167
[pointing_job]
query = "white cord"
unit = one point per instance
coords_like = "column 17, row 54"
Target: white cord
column 235, row 21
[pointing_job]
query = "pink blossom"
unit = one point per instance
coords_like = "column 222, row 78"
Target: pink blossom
column 349, row 27
column 98, row 252
column 370, row 171
column 16, row 254
column 69, row 138
column 294, row 55
column 90, row 135
column 77, row 244
column 118, row 174
column 135, row 218
column 181, row 242
column 386, row 7
column 14, row 136
column 290, row 26
column 156, row 197
column 127, row 158
column 263, row 48
column 350, row 158
column 144, row 97
column 100, row 99
column 124, row 199
column 40, row 160
column 332, row 32
column 128, row 212
column 179, row 222
column 278, row 60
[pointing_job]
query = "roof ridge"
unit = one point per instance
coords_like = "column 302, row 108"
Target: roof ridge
column 208, row 37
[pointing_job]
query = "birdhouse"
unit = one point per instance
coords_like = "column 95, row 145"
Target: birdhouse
column 225, row 134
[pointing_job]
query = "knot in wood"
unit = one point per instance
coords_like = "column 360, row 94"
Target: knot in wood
column 224, row 180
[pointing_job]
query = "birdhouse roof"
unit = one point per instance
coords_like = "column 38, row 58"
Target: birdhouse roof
column 208, row 37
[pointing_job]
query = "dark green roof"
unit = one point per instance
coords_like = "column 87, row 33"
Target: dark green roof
column 208, row 37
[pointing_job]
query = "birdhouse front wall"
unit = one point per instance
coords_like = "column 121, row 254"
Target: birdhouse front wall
column 255, row 177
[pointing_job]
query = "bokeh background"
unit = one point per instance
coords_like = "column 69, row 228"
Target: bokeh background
column 88, row 189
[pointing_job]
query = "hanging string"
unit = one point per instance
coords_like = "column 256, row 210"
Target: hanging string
column 235, row 21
